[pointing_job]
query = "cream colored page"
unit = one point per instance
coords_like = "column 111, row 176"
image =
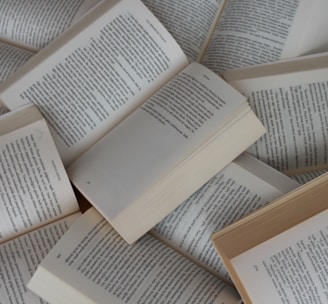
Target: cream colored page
column 92, row 82
column 289, row 268
column 11, row 59
column 256, row 31
column 97, row 263
column 20, row 257
column 293, row 109
column 34, row 185
column 34, row 24
column 190, row 22
column 230, row 195
column 156, row 138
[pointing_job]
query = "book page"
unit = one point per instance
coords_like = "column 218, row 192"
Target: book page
column 20, row 257
column 230, row 195
column 99, row 72
column 93, row 264
column 257, row 31
column 293, row 108
column 34, row 185
column 34, row 24
column 291, row 267
column 11, row 59
column 190, row 22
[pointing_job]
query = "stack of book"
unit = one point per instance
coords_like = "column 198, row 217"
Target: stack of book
column 163, row 151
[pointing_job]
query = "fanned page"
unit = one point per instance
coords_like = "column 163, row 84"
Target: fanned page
column 240, row 188
column 290, row 98
column 259, row 31
column 190, row 22
column 96, row 73
column 92, row 264
column 34, row 24
column 20, row 257
column 34, row 185
column 157, row 145
column 290, row 267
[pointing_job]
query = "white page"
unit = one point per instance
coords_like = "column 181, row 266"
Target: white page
column 11, row 59
column 258, row 31
column 230, row 195
column 94, row 71
column 289, row 268
column 20, row 257
column 34, row 24
column 190, row 22
column 92, row 264
column 34, row 185
column 292, row 106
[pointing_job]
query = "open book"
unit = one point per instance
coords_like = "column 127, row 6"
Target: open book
column 35, row 189
column 33, row 25
column 242, row 186
column 279, row 253
column 229, row 34
column 89, row 81
column 290, row 98
column 27, row 27
column 37, row 200
column 91, row 263
column 21, row 256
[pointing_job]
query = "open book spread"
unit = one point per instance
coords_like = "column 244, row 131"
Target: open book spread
column 46, row 20
column 279, row 253
column 92, row 264
column 37, row 200
column 92, row 68
column 163, row 151
column 35, row 189
column 243, row 186
column 184, row 128
column 20, row 257
column 282, row 266
column 229, row 34
column 290, row 98
column 174, row 117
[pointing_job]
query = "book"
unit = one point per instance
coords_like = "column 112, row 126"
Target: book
column 290, row 99
column 20, row 257
column 34, row 25
column 242, row 187
column 91, row 263
column 35, row 189
column 37, row 200
column 25, row 28
column 92, row 91
column 229, row 34
column 279, row 253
